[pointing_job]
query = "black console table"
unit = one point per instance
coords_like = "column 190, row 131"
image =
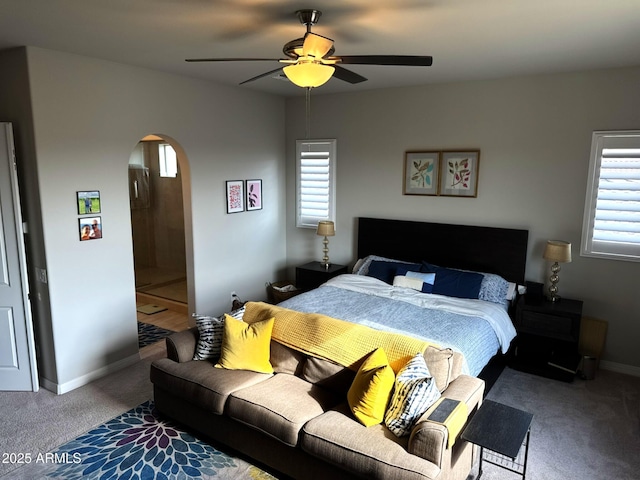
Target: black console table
column 501, row 432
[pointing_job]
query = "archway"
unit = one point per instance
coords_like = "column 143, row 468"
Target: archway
column 159, row 193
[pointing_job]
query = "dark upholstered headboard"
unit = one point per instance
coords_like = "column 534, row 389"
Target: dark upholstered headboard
column 483, row 249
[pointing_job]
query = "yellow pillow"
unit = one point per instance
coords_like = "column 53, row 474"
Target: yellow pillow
column 371, row 389
column 246, row 346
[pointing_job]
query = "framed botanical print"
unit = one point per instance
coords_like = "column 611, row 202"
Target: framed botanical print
column 459, row 173
column 421, row 171
column 254, row 194
column 235, row 196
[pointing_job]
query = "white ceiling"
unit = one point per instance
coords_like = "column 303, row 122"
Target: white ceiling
column 468, row 39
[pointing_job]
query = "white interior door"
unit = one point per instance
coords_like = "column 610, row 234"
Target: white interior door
column 18, row 370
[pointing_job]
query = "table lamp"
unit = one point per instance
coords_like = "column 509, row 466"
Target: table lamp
column 558, row 252
column 326, row 228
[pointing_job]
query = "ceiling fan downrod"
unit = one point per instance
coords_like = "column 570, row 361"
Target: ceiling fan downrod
column 308, row 17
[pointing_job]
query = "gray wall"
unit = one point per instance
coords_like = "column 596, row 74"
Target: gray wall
column 534, row 134
column 88, row 115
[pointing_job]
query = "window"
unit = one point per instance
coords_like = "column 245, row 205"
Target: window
column 168, row 160
column 315, row 173
column 611, row 227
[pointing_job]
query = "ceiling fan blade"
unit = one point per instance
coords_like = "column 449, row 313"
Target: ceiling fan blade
column 347, row 75
column 262, row 75
column 232, row 60
column 316, row 45
column 399, row 60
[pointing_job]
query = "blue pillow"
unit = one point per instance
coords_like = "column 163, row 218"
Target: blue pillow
column 456, row 283
column 428, row 267
column 494, row 289
column 385, row 271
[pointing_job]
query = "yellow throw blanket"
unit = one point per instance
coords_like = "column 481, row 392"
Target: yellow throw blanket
column 325, row 337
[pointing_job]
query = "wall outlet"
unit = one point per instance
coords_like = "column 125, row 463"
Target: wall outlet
column 41, row 275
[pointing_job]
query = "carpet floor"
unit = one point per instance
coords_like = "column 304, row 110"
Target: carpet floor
column 139, row 444
column 588, row 430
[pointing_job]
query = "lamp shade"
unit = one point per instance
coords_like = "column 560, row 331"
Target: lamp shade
column 309, row 74
column 557, row 251
column 326, row 228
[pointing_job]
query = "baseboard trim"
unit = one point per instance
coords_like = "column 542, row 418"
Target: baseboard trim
column 620, row 368
column 62, row 388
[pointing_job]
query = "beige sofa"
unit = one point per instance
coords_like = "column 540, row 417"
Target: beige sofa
column 297, row 420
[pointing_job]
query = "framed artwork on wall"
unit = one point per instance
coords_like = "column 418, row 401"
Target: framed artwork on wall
column 459, row 173
column 88, row 202
column 235, row 196
column 421, row 171
column 254, row 194
column 90, row 228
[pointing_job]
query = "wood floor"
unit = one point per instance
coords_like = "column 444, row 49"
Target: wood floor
column 167, row 319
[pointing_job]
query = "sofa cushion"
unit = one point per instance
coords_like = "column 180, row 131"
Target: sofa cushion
column 280, row 406
column 371, row 389
column 372, row 452
column 286, row 360
column 198, row 382
column 440, row 362
column 246, row 346
column 327, row 374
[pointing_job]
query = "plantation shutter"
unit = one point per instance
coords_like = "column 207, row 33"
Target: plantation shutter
column 316, row 181
column 612, row 211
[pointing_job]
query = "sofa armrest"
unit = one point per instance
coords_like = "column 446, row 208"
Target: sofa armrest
column 428, row 439
column 182, row 345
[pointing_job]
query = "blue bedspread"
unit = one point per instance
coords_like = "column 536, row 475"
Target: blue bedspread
column 474, row 337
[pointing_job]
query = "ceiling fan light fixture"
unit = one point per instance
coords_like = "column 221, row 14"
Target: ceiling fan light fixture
column 309, row 74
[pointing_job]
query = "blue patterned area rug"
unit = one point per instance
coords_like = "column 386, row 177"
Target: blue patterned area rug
column 148, row 334
column 141, row 445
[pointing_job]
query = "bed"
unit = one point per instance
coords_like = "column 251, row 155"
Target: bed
column 447, row 284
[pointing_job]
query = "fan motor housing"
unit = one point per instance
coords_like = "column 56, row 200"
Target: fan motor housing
column 293, row 49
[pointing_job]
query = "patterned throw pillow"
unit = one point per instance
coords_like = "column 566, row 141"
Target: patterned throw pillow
column 210, row 334
column 415, row 391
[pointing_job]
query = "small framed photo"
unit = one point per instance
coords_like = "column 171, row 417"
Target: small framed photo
column 235, row 196
column 88, row 202
column 421, row 170
column 254, row 194
column 90, row 228
column 459, row 173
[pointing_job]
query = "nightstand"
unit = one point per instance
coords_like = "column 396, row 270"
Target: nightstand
column 312, row 275
column 548, row 335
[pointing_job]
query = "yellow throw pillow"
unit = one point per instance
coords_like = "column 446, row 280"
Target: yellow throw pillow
column 371, row 389
column 246, row 346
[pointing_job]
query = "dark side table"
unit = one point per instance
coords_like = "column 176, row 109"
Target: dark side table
column 312, row 275
column 502, row 431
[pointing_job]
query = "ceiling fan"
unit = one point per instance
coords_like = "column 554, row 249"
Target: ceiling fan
column 311, row 61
